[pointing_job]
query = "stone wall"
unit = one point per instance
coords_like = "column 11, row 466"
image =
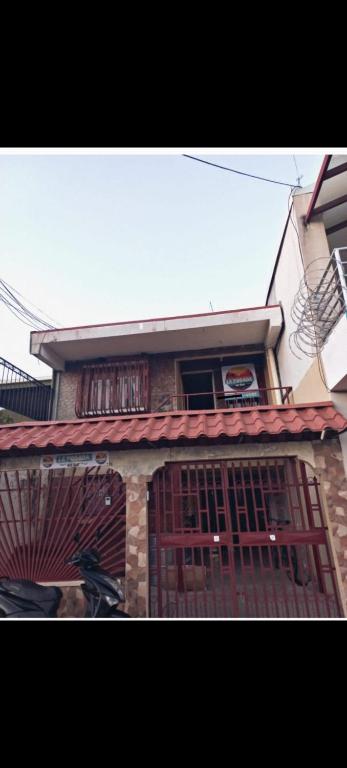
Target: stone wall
column 136, row 569
column 329, row 463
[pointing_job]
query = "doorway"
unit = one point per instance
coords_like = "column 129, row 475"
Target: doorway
column 198, row 390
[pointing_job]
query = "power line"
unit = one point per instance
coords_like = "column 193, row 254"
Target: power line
column 20, row 310
column 241, row 173
column 30, row 302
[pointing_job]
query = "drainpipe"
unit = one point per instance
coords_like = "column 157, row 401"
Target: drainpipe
column 276, row 348
column 55, row 388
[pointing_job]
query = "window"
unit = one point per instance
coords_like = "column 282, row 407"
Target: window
column 112, row 389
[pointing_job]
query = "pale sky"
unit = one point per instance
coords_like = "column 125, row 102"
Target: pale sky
column 96, row 239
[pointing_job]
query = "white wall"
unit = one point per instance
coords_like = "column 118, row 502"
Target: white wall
column 294, row 366
column 286, row 283
column 334, row 356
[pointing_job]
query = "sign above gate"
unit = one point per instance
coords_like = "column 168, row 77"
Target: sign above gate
column 89, row 459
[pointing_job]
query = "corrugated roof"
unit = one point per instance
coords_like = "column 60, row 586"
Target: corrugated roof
column 253, row 422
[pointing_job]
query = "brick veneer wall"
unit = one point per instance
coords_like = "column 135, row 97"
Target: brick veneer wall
column 67, row 395
column 161, row 382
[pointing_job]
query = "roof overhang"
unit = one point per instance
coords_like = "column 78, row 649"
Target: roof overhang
column 252, row 424
column 257, row 325
column 329, row 197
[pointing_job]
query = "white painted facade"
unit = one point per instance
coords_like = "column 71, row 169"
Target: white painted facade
column 301, row 244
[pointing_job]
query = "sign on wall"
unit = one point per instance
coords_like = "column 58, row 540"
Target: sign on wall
column 88, row 459
column 239, row 379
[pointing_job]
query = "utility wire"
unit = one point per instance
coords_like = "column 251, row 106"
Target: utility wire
column 20, row 310
column 241, row 173
column 30, row 302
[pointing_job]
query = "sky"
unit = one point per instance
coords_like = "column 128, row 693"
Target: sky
column 105, row 238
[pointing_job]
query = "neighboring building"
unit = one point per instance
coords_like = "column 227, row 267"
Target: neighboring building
column 23, row 396
column 175, row 448
column 310, row 283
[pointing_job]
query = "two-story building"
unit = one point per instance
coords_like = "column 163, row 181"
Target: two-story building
column 174, row 447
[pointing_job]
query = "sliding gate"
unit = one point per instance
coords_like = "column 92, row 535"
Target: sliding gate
column 239, row 539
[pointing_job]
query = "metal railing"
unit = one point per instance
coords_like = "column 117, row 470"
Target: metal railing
column 22, row 394
column 340, row 256
column 251, row 398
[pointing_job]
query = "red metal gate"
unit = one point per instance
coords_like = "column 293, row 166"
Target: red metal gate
column 42, row 511
column 239, row 539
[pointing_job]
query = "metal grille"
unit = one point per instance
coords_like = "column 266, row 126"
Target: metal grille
column 239, row 539
column 42, row 511
column 113, row 388
column 23, row 394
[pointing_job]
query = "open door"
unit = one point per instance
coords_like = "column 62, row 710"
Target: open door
column 198, row 388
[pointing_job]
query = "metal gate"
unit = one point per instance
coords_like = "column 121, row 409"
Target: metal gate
column 239, row 539
column 42, row 511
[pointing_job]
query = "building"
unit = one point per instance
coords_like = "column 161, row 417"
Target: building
column 22, row 395
column 310, row 282
column 178, row 446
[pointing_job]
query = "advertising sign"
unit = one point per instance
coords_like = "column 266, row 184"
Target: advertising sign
column 239, row 379
column 89, row 459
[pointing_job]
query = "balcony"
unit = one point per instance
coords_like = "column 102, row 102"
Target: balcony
column 220, row 400
column 21, row 394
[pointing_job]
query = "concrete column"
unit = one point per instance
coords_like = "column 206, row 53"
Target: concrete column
column 273, row 377
column 136, row 558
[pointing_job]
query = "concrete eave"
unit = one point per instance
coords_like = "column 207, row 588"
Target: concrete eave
column 259, row 325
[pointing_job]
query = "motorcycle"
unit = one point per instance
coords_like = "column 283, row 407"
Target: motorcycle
column 22, row 598
column 103, row 592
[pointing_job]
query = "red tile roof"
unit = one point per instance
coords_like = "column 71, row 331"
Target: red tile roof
column 280, row 421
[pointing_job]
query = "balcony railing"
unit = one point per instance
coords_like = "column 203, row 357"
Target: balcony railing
column 251, row 398
column 22, row 394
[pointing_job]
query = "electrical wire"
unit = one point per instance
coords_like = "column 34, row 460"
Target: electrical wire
column 290, row 211
column 31, row 302
column 241, row 173
column 21, row 314
column 20, row 310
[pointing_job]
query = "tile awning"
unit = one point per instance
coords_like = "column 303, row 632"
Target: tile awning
column 253, row 423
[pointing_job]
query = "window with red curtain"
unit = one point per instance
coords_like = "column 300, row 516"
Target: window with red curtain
column 113, row 388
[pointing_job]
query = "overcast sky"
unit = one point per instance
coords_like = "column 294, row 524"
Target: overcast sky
column 95, row 239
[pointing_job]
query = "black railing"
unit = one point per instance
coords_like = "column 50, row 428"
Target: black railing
column 215, row 400
column 22, row 394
